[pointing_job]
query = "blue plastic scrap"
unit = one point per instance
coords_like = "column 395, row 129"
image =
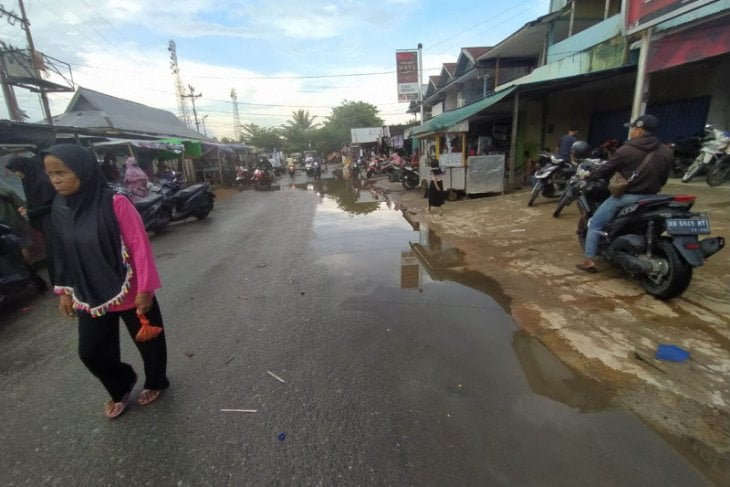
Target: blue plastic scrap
column 671, row 353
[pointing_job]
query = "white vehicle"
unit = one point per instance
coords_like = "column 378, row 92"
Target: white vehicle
column 713, row 149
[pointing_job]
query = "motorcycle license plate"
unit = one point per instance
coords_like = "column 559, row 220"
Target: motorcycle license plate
column 688, row 226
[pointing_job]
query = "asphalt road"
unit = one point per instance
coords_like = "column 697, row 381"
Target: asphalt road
column 432, row 385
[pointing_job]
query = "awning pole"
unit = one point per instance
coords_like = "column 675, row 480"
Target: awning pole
column 513, row 144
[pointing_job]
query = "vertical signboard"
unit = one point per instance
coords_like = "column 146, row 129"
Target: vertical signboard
column 406, row 62
column 641, row 14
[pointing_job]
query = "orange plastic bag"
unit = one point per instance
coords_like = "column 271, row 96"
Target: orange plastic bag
column 146, row 332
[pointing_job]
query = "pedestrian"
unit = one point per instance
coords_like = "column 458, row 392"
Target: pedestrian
column 109, row 167
column 566, row 143
column 39, row 195
column 435, row 190
column 135, row 179
column 642, row 149
column 106, row 271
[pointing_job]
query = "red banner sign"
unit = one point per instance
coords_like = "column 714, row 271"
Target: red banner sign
column 641, row 14
column 407, row 73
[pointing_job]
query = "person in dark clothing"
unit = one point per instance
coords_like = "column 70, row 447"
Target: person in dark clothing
column 566, row 143
column 39, row 195
column 109, row 167
column 626, row 160
column 436, row 196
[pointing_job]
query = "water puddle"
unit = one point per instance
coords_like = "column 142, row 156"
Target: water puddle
column 445, row 332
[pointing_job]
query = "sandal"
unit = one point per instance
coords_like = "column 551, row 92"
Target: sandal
column 113, row 410
column 587, row 268
column 148, row 396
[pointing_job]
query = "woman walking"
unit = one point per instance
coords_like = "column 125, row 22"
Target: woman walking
column 106, row 271
column 39, row 195
column 135, row 179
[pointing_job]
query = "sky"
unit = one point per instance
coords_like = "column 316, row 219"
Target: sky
column 279, row 55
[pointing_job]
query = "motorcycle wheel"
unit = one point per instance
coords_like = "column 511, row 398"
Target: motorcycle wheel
column 536, row 190
column 203, row 212
column 565, row 200
column 582, row 230
column 410, row 183
column 693, row 170
column 676, row 280
column 163, row 220
column 719, row 173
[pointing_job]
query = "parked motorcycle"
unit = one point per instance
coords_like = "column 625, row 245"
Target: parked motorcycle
column 685, row 151
column 410, row 179
column 16, row 276
column 194, row 201
column 720, row 171
column 355, row 168
column 292, row 170
column 551, row 177
column 155, row 213
column 317, row 170
column 572, row 191
column 655, row 240
column 714, row 147
column 243, row 176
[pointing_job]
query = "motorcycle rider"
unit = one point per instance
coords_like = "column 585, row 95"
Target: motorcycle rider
column 626, row 160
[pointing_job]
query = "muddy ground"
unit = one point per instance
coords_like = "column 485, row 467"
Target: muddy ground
column 604, row 325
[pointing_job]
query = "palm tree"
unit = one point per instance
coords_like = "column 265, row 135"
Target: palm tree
column 302, row 121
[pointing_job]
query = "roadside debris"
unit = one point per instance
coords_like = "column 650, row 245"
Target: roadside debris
column 282, row 436
column 642, row 359
column 276, row 377
column 242, row 297
column 261, row 265
column 228, row 361
column 189, row 354
column 239, row 410
column 671, row 353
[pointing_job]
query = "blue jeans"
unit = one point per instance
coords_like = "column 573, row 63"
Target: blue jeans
column 603, row 216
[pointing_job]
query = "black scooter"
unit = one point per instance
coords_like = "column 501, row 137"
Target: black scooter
column 194, row 201
column 656, row 239
column 16, row 276
column 154, row 212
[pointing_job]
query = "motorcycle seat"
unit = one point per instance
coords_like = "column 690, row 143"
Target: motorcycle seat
column 145, row 203
column 186, row 193
column 655, row 198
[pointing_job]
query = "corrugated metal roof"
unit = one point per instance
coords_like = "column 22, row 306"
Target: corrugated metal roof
column 92, row 109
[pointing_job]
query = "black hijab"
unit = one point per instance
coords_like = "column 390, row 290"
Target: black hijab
column 92, row 265
column 39, row 192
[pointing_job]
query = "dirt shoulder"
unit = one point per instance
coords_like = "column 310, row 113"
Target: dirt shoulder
column 604, row 325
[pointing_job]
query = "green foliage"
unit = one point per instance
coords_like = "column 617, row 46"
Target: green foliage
column 265, row 138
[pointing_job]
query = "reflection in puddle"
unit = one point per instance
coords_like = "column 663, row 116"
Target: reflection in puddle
column 401, row 273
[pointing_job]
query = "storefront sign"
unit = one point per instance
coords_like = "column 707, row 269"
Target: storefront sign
column 407, row 73
column 641, row 14
column 451, row 159
column 706, row 40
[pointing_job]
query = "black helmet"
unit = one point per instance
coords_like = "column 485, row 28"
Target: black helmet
column 433, row 162
column 580, row 149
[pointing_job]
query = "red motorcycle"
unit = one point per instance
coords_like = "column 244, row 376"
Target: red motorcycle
column 243, row 176
column 262, row 178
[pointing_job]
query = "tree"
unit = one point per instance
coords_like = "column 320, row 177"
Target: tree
column 302, row 120
column 300, row 130
column 266, row 138
column 349, row 115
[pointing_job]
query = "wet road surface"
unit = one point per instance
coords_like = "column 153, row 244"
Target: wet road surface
column 395, row 373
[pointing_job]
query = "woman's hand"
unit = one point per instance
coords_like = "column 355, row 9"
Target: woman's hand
column 143, row 301
column 65, row 306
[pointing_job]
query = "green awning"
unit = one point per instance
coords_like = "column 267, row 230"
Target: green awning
column 193, row 148
column 441, row 123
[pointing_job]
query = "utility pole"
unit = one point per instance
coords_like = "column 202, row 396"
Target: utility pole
column 420, row 78
column 205, row 130
column 33, row 58
column 236, row 116
column 192, row 97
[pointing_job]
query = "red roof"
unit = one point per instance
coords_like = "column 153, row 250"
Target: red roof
column 475, row 52
column 450, row 68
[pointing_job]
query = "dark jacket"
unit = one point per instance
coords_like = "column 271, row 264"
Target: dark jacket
column 629, row 157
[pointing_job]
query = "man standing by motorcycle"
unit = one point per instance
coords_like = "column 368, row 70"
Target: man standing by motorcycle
column 643, row 147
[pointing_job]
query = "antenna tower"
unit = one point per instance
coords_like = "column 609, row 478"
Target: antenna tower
column 236, row 116
column 182, row 104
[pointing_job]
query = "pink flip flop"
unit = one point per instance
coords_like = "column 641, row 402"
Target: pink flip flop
column 113, row 410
